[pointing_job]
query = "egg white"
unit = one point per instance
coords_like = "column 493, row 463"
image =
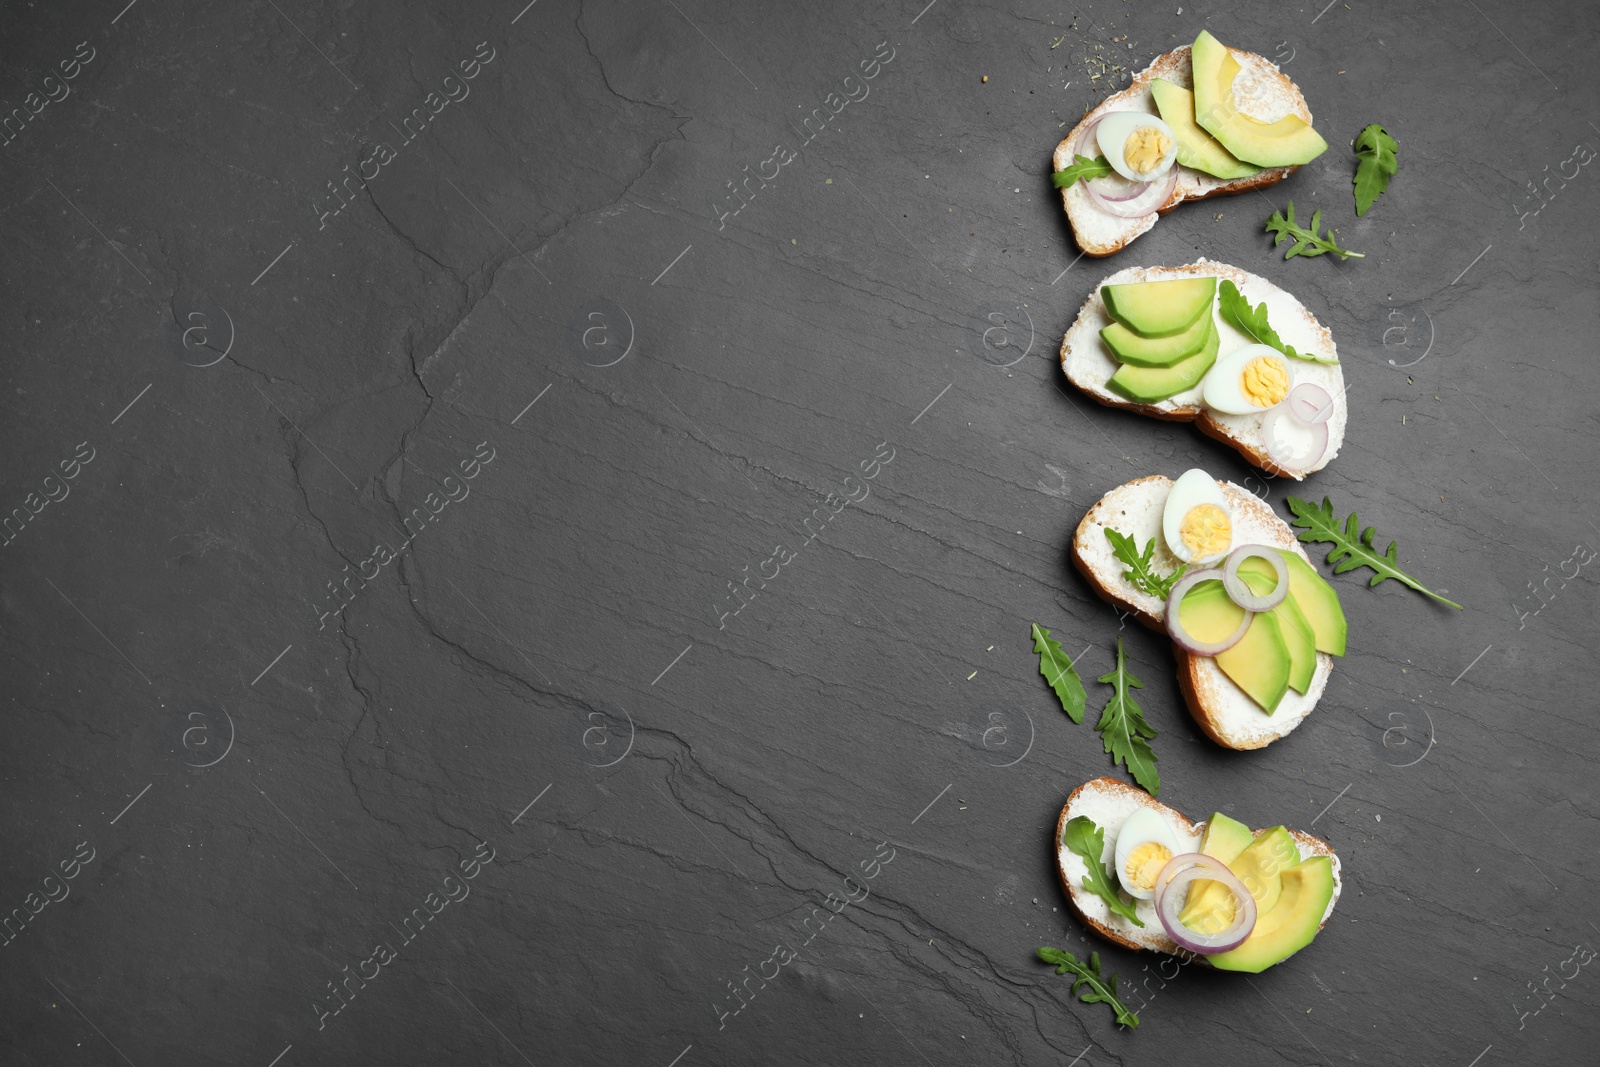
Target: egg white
column 1143, row 825
column 1112, row 136
column 1193, row 488
column 1222, row 390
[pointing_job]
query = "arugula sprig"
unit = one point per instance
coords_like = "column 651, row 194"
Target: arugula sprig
column 1123, row 728
column 1307, row 242
column 1097, row 988
column 1056, row 666
column 1082, row 170
column 1378, row 163
column 1141, row 572
column 1085, row 837
column 1252, row 322
column 1353, row 546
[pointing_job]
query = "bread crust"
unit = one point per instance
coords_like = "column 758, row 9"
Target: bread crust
column 1308, row 845
column 1174, row 66
column 1200, row 709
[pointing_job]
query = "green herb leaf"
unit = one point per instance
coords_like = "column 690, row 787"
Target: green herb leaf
column 1252, row 322
column 1307, row 242
column 1084, row 169
column 1353, row 547
column 1123, row 728
column 1084, row 837
column 1141, row 572
column 1056, row 667
column 1378, row 163
column 1097, row 989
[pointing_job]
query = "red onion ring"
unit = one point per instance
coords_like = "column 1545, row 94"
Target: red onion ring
column 1085, row 138
column 1115, row 189
column 1240, row 592
column 1154, row 197
column 1187, row 641
column 1175, row 878
column 1286, row 453
column 1310, row 403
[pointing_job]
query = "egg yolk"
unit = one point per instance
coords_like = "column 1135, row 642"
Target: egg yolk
column 1145, row 863
column 1205, row 531
column 1145, row 148
column 1265, row 381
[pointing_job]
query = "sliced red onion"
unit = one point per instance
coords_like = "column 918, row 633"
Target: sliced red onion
column 1292, row 444
column 1115, row 189
column 1086, row 140
column 1310, row 403
column 1171, row 888
column 1108, row 188
column 1182, row 637
column 1240, row 592
column 1154, row 197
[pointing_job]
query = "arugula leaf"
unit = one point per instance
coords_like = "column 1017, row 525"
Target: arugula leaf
column 1084, row 169
column 1123, row 729
column 1376, row 150
column 1101, row 989
column 1350, row 550
column 1252, row 322
column 1141, row 572
column 1057, row 670
column 1307, row 242
column 1084, row 837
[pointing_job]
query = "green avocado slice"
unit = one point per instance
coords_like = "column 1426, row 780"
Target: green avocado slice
column 1259, row 575
column 1129, row 347
column 1291, row 924
column 1159, row 309
column 1318, row 603
column 1154, row 384
column 1210, row 908
column 1225, row 838
column 1259, row 664
column 1289, row 142
column 1208, row 901
column 1196, row 147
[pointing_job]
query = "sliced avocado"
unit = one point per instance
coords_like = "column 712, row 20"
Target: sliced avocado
column 1318, row 603
column 1152, row 384
column 1196, row 147
column 1208, row 613
column 1209, row 906
column 1300, row 641
column 1306, row 889
column 1160, row 309
column 1225, row 838
column 1297, row 634
column 1129, row 347
column 1259, row 663
column 1262, row 861
column 1288, row 142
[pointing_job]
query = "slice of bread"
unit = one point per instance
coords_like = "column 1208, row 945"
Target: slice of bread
column 1221, row 708
column 1089, row 365
column 1260, row 91
column 1109, row 803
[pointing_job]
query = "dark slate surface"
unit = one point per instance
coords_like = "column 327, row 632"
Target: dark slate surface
column 538, row 288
